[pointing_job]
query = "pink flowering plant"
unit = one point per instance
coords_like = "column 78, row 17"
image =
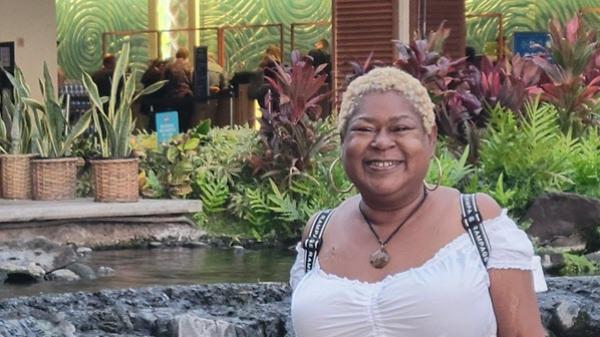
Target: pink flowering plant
column 291, row 130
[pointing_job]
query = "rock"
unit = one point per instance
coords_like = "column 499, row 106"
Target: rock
column 63, row 275
column 237, row 249
column 566, row 314
column 189, row 325
column 195, row 244
column 82, row 270
column 243, row 310
column 572, row 306
column 82, row 251
column 31, row 260
column 594, row 257
column 19, row 273
column 155, row 244
column 565, row 220
column 105, row 271
column 552, row 262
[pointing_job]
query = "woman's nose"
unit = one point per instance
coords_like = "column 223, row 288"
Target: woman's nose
column 382, row 140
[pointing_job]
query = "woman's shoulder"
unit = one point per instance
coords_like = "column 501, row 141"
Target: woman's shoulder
column 339, row 209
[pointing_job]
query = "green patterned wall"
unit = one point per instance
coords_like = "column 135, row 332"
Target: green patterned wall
column 80, row 24
column 521, row 15
column 244, row 48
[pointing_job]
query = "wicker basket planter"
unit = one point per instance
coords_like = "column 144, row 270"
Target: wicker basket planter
column 54, row 179
column 15, row 175
column 115, row 180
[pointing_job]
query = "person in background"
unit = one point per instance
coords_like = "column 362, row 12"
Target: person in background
column 153, row 103
column 398, row 259
column 178, row 89
column 216, row 74
column 103, row 76
column 320, row 55
column 266, row 68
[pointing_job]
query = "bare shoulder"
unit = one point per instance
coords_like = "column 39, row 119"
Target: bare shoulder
column 313, row 217
column 488, row 207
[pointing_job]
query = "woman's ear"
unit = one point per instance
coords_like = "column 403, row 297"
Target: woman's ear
column 432, row 137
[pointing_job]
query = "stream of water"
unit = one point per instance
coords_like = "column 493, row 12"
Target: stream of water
column 148, row 267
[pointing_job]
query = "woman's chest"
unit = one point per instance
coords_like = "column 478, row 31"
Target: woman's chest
column 446, row 294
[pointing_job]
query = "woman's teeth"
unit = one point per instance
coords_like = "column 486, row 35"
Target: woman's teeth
column 383, row 163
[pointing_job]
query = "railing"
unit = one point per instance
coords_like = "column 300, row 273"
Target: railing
column 500, row 37
column 220, row 35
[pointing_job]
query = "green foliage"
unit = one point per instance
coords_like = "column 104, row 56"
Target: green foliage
column 454, row 170
column 586, row 164
column 577, row 265
column 520, row 159
column 214, row 192
column 292, row 133
column 16, row 132
column 168, row 170
column 55, row 136
column 114, row 126
column 235, row 200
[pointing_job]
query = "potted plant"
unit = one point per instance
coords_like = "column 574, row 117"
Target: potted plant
column 115, row 175
column 15, row 140
column 55, row 173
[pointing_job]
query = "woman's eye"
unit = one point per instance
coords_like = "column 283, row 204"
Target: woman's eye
column 361, row 129
column 399, row 128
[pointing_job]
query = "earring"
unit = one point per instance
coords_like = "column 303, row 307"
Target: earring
column 440, row 173
column 332, row 181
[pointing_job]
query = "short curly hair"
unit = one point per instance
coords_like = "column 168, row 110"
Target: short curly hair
column 384, row 79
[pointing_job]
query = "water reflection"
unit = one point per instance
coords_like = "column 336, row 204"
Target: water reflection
column 139, row 268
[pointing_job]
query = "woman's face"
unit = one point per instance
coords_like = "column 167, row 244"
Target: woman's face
column 386, row 149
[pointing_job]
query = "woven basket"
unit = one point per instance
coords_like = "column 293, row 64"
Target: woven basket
column 54, row 179
column 16, row 175
column 115, row 180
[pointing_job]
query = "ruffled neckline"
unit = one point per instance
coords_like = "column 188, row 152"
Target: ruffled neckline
column 454, row 245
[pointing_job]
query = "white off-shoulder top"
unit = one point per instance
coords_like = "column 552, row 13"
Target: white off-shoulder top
column 445, row 297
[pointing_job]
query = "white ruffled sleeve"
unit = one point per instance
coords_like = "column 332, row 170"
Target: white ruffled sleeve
column 297, row 271
column 512, row 249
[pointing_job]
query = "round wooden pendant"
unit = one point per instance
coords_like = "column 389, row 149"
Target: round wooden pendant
column 379, row 258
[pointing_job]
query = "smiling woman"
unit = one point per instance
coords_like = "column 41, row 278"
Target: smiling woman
column 393, row 259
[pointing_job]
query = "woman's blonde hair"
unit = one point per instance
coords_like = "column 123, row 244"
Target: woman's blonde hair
column 380, row 80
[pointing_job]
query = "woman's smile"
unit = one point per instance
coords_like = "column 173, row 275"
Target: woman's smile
column 383, row 165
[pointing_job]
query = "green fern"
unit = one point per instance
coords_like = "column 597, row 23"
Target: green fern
column 214, row 192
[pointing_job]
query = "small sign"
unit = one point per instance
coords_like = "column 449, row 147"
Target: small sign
column 167, row 126
column 529, row 44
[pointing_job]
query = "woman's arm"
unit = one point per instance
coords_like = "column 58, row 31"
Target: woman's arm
column 513, row 297
column 515, row 303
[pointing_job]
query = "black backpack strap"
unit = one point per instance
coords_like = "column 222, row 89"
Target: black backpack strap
column 472, row 222
column 312, row 244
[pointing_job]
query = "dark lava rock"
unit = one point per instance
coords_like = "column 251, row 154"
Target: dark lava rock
column 248, row 309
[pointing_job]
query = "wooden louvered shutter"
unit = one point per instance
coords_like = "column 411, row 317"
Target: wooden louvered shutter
column 454, row 13
column 362, row 26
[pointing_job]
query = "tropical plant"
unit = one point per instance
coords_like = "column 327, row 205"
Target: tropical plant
column 527, row 156
column 359, row 69
column 167, row 170
column 16, row 133
column 574, row 82
column 55, row 136
column 114, row 126
column 457, row 109
column 291, row 132
column 508, row 82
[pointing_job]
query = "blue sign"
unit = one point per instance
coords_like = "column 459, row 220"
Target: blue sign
column 529, row 44
column 167, row 126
